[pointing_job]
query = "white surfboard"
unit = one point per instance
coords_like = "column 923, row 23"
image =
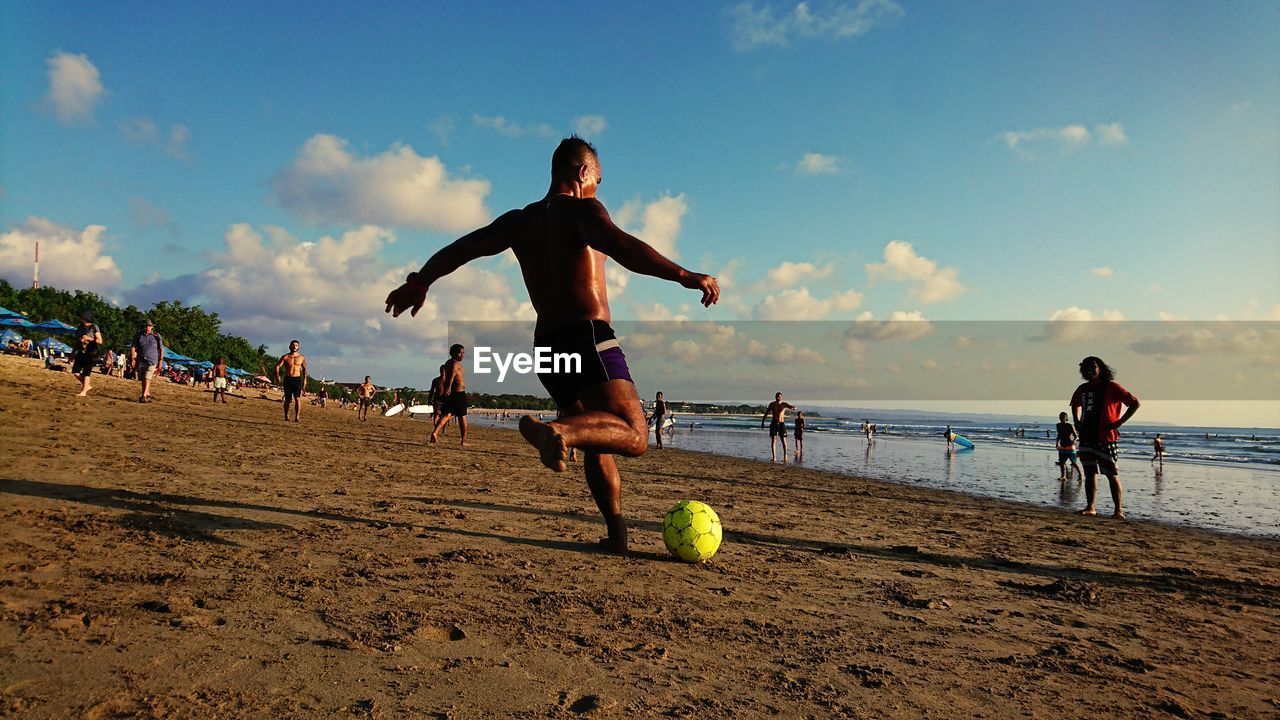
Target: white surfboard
column 666, row 423
column 393, row 410
column 419, row 409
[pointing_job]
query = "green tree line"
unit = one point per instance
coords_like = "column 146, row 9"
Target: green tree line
column 186, row 329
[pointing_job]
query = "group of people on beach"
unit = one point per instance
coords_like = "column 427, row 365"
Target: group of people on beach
column 561, row 243
column 146, row 355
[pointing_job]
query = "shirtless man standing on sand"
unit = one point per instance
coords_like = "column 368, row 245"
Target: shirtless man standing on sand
column 562, row 242
column 294, row 379
column 220, row 380
column 452, row 394
column 777, row 425
column 364, row 394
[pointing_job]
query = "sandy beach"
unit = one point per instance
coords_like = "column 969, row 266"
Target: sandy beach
column 182, row 559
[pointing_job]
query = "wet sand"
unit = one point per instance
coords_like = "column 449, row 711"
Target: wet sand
column 185, row 559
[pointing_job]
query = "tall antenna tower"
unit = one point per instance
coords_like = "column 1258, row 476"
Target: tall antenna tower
column 35, row 279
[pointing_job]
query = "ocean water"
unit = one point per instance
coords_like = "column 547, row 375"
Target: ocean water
column 1229, row 482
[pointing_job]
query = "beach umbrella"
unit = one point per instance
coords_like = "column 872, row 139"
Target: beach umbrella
column 53, row 326
column 177, row 357
column 9, row 336
column 16, row 322
column 6, row 312
column 265, row 379
column 54, row 345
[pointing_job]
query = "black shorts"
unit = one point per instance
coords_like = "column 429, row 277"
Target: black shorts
column 292, row 388
column 83, row 364
column 455, row 404
column 777, row 428
column 1099, row 457
column 602, row 359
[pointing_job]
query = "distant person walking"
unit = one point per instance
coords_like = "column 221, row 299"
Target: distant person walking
column 1095, row 407
column 799, row 426
column 146, row 355
column 659, row 417
column 1158, row 444
column 951, row 438
column 776, row 414
column 453, row 388
column 88, row 339
column 1068, row 457
column 220, row 380
column 294, row 379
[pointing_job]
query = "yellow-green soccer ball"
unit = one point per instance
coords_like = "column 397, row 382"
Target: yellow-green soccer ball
column 692, row 531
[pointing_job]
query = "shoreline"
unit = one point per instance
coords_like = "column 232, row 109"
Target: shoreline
column 178, row 559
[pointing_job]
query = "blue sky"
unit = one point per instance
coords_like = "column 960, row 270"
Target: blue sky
column 955, row 161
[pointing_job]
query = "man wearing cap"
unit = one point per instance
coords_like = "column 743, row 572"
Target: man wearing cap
column 146, row 355
column 86, row 350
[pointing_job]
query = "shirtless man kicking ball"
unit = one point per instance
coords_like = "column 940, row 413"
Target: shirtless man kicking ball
column 562, row 242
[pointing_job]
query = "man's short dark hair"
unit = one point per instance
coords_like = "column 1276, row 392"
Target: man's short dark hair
column 455, row 349
column 572, row 152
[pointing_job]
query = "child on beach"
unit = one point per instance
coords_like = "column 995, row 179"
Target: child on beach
column 1068, row 458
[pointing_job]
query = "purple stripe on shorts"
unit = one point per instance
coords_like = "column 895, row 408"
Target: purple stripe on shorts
column 615, row 364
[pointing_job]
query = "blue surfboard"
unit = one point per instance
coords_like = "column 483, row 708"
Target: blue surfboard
column 961, row 441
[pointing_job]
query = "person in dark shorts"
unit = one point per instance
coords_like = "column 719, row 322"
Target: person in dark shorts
column 658, row 418
column 294, row 379
column 453, row 390
column 88, row 339
column 799, row 428
column 776, row 414
column 1068, row 457
column 1095, row 407
column 364, row 396
column 562, row 243
column 1158, row 445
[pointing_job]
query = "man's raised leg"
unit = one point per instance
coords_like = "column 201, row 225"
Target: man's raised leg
column 610, row 422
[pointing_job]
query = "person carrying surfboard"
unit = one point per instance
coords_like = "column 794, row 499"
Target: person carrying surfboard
column 562, row 242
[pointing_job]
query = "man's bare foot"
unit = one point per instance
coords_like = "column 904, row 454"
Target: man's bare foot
column 465, row 444
column 82, row 394
column 610, row 546
column 1088, row 511
column 547, row 440
column 1117, row 515
column 433, row 440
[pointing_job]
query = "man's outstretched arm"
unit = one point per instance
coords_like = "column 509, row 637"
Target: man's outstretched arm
column 638, row 256
column 489, row 240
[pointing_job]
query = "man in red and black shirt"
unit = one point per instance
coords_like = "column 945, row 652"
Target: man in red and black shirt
column 1095, row 407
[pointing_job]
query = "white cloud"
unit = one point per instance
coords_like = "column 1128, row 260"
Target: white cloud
column 657, row 312
column 507, row 128
column 657, row 223
column 783, row 354
column 143, row 131
column 900, row 325
column 146, row 215
column 327, row 183
column 70, row 259
column 931, row 284
column 1076, row 324
column 1026, row 143
column 1104, row 272
column 962, row 343
column 590, row 125
column 1111, row 134
column 818, row 164
column 75, row 87
column 270, row 283
column 790, row 273
column 930, row 364
column 443, row 127
column 799, row 304
column 754, row 27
